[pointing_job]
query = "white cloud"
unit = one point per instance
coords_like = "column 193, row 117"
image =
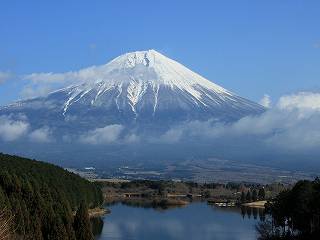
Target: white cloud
column 11, row 130
column 35, row 91
column 131, row 138
column 265, row 101
column 293, row 124
column 39, row 84
column 171, row 136
column 105, row 135
column 41, row 135
column 301, row 101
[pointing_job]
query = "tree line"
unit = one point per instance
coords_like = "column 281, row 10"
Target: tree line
column 42, row 200
column 253, row 195
column 294, row 213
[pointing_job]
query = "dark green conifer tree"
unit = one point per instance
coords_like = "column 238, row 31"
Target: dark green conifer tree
column 262, row 194
column 243, row 197
column 57, row 230
column 254, row 195
column 248, row 196
column 82, row 226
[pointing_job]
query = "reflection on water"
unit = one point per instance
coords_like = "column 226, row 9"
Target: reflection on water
column 196, row 221
column 97, row 225
column 145, row 203
column 256, row 213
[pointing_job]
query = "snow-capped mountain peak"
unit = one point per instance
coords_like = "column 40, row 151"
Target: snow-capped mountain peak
column 137, row 87
column 153, row 67
column 137, row 73
column 130, row 60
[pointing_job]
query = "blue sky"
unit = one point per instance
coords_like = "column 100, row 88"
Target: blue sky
column 249, row 47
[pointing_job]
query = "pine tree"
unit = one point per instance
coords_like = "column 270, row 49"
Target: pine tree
column 248, row 197
column 26, row 217
column 243, row 197
column 57, row 230
column 262, row 194
column 254, row 195
column 36, row 233
column 82, row 226
column 2, row 199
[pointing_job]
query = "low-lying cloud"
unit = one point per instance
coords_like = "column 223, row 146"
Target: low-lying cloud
column 11, row 129
column 105, row 135
column 41, row 135
column 17, row 127
column 292, row 125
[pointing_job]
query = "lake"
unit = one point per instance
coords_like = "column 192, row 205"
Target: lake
column 196, row 221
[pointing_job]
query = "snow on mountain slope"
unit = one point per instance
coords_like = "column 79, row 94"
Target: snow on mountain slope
column 136, row 73
column 140, row 87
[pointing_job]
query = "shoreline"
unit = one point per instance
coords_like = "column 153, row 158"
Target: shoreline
column 257, row 204
column 98, row 212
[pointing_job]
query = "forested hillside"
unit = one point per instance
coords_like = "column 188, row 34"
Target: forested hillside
column 295, row 213
column 42, row 198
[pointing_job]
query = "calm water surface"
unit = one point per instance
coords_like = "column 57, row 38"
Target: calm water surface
column 197, row 221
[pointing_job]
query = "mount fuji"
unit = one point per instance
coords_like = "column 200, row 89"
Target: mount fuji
column 139, row 95
column 142, row 88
